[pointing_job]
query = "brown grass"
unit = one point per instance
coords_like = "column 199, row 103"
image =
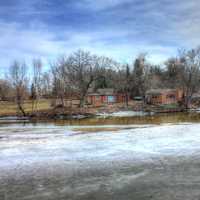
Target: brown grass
column 10, row 108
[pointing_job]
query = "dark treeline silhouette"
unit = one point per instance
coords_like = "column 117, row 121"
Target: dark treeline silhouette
column 76, row 74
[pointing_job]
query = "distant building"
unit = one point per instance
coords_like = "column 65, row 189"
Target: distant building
column 164, row 96
column 105, row 97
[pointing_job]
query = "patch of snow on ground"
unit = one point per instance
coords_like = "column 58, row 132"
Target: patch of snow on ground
column 124, row 114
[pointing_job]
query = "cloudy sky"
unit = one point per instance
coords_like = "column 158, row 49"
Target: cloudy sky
column 120, row 29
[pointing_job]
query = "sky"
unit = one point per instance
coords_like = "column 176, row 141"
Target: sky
column 120, row 29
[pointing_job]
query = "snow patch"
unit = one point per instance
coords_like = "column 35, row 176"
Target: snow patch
column 124, row 114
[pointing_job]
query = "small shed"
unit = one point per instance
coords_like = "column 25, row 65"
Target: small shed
column 105, row 97
column 164, row 96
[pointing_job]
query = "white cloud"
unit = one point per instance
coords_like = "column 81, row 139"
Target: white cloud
column 19, row 43
column 187, row 24
column 148, row 27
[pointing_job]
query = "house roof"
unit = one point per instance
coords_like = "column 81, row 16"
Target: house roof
column 94, row 94
column 160, row 91
column 106, row 91
column 99, row 92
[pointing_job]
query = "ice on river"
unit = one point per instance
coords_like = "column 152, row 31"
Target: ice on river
column 40, row 144
column 133, row 162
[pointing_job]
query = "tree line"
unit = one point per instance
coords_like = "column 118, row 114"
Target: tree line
column 75, row 74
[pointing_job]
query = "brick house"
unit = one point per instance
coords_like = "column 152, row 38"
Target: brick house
column 105, row 97
column 164, row 96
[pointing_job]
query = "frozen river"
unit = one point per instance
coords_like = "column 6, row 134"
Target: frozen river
column 118, row 162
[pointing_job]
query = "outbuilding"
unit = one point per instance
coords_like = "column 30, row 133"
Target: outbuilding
column 164, row 96
column 105, row 97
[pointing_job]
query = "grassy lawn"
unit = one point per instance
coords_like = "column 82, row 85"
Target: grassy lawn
column 9, row 108
column 169, row 106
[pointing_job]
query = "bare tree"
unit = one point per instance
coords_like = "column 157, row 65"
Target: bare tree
column 123, row 81
column 36, row 84
column 81, row 68
column 18, row 79
column 46, row 84
column 107, row 76
column 190, row 73
column 127, row 83
column 59, row 83
column 172, row 75
column 6, row 90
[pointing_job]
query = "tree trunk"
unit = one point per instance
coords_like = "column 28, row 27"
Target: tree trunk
column 33, row 105
column 62, row 101
column 127, row 99
column 82, row 101
column 19, row 104
column 21, row 109
column 187, row 99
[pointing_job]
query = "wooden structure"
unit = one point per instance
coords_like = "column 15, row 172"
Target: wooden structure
column 164, row 96
column 105, row 97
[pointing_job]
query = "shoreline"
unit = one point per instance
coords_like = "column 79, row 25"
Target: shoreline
column 102, row 116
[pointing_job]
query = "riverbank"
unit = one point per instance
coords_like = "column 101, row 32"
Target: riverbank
column 45, row 111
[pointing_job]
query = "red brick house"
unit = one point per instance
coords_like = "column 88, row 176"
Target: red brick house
column 164, row 96
column 105, row 97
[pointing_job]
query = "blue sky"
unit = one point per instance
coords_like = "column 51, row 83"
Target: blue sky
column 120, row 29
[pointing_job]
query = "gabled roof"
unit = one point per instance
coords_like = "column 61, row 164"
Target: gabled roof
column 105, row 91
column 160, row 91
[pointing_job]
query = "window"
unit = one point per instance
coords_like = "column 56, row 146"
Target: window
column 155, row 96
column 111, row 99
column 171, row 96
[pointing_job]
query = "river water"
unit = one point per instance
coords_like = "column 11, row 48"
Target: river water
column 121, row 158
